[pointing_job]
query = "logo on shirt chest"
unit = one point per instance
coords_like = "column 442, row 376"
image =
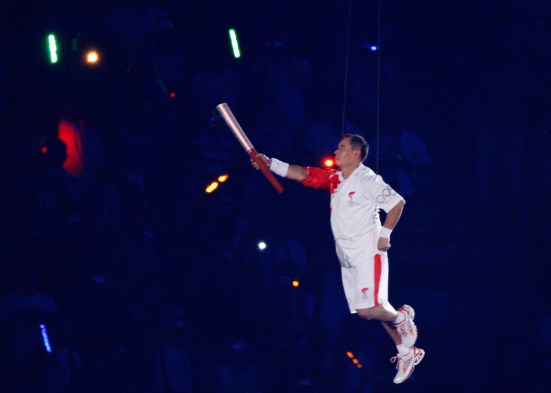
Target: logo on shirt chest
column 345, row 197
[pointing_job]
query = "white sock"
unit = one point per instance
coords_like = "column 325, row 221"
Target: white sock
column 400, row 318
column 402, row 350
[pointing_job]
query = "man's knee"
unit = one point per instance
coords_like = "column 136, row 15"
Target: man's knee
column 365, row 313
column 381, row 312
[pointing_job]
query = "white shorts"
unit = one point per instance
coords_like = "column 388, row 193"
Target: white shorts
column 366, row 285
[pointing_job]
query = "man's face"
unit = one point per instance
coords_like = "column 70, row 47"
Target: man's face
column 345, row 154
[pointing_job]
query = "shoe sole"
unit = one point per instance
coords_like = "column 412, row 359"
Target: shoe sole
column 417, row 360
column 410, row 310
column 411, row 313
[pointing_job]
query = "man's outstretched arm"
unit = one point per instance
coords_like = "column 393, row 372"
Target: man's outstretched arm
column 293, row 172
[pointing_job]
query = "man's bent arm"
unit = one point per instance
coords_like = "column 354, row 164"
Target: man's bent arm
column 393, row 215
column 391, row 219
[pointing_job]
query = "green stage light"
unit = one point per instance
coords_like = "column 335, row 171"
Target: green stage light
column 234, row 43
column 52, row 47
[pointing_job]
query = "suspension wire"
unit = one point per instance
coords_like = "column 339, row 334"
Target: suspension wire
column 378, row 72
column 378, row 111
column 347, row 56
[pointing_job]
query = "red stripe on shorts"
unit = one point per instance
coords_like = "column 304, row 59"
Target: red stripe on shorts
column 377, row 278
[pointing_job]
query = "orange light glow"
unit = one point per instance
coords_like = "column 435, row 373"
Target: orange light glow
column 223, row 178
column 211, row 187
column 350, row 355
column 355, row 361
column 92, row 57
column 329, row 162
column 296, row 283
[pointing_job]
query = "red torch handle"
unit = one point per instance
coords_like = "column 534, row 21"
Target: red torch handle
column 265, row 170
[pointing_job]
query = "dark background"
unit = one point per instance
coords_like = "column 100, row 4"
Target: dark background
column 145, row 283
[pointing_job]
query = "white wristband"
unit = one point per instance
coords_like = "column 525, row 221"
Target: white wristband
column 279, row 167
column 385, row 232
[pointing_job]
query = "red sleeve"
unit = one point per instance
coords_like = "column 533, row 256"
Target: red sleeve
column 317, row 178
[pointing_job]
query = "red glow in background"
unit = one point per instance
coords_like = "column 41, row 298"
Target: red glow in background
column 69, row 134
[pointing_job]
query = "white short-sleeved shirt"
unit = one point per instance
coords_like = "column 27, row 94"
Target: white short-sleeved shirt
column 355, row 204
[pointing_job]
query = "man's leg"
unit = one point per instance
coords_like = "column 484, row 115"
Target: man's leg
column 367, row 284
column 392, row 332
column 387, row 315
column 396, row 323
column 408, row 356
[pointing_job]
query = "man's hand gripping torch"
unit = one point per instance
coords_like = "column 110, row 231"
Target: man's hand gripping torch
column 238, row 132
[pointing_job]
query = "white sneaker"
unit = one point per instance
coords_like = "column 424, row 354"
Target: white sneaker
column 407, row 328
column 406, row 363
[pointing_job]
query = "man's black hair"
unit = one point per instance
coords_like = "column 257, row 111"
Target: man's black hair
column 358, row 142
